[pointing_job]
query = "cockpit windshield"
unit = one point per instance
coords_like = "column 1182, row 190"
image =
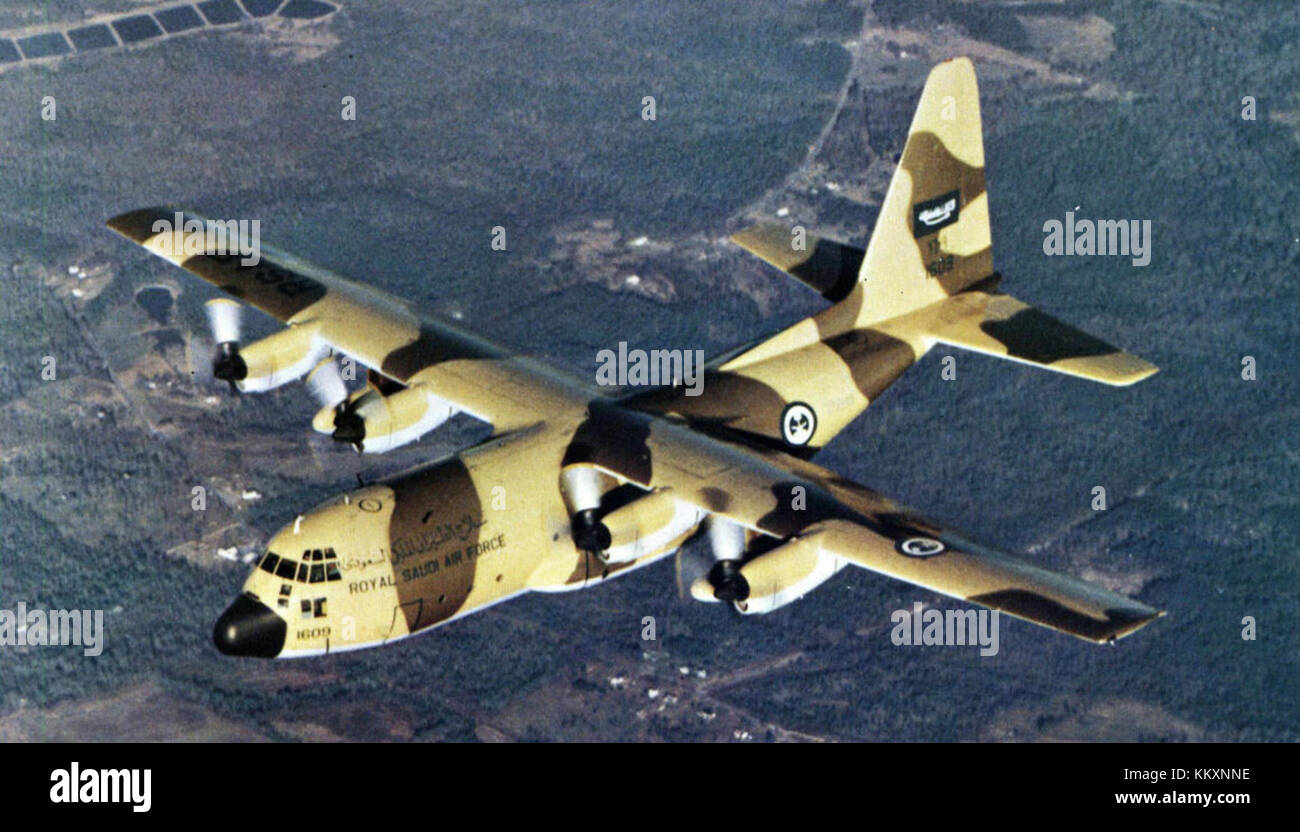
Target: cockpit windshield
column 316, row 566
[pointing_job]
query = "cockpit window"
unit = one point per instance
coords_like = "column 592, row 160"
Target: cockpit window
column 315, row 573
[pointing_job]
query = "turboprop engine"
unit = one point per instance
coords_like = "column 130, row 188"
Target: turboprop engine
column 620, row 524
column 773, row 579
column 648, row 524
column 265, row 364
column 371, row 420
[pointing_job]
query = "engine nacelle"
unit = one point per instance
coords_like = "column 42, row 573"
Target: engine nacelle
column 778, row 577
column 376, row 423
column 649, row 524
column 277, row 359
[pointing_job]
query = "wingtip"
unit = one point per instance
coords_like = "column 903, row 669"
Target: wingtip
column 754, row 232
column 1132, row 626
column 1119, row 370
column 1146, row 371
column 137, row 225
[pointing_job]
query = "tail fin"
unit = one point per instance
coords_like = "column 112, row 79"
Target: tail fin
column 932, row 237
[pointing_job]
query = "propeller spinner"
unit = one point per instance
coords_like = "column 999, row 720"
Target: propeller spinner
column 227, row 364
column 335, row 417
column 721, row 579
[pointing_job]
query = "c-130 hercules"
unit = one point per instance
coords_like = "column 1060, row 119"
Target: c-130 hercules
column 573, row 487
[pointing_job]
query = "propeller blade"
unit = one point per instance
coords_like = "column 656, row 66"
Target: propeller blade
column 726, row 539
column 692, row 564
column 326, row 383
column 223, row 317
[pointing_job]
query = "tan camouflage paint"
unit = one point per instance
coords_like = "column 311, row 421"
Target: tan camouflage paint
column 454, row 537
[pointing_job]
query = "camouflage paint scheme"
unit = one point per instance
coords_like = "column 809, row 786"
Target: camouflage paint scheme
column 458, row 535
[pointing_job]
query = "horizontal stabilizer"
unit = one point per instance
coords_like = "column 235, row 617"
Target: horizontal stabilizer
column 825, row 265
column 1002, row 326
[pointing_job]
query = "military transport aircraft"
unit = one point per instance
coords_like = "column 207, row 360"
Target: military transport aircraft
column 574, row 486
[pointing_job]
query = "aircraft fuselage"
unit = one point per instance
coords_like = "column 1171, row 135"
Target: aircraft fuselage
column 400, row 557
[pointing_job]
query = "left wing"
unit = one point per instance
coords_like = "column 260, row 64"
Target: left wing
column 378, row 330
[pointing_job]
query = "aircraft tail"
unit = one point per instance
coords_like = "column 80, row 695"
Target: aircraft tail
column 925, row 278
column 931, row 239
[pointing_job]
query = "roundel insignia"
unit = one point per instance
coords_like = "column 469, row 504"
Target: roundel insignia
column 920, row 547
column 798, row 423
column 370, row 504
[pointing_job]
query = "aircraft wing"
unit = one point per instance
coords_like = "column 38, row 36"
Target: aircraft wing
column 378, row 330
column 884, row 537
column 789, row 499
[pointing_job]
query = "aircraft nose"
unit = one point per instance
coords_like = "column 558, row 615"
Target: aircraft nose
column 250, row 628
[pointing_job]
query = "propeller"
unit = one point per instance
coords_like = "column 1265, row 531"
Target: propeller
column 691, row 564
column 727, row 540
column 715, row 575
column 223, row 318
column 337, row 416
column 583, row 488
column 326, row 383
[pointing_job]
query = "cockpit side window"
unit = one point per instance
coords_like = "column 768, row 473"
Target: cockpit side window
column 269, row 562
column 286, row 569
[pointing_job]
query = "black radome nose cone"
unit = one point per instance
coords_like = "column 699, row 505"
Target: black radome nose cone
column 250, row 628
